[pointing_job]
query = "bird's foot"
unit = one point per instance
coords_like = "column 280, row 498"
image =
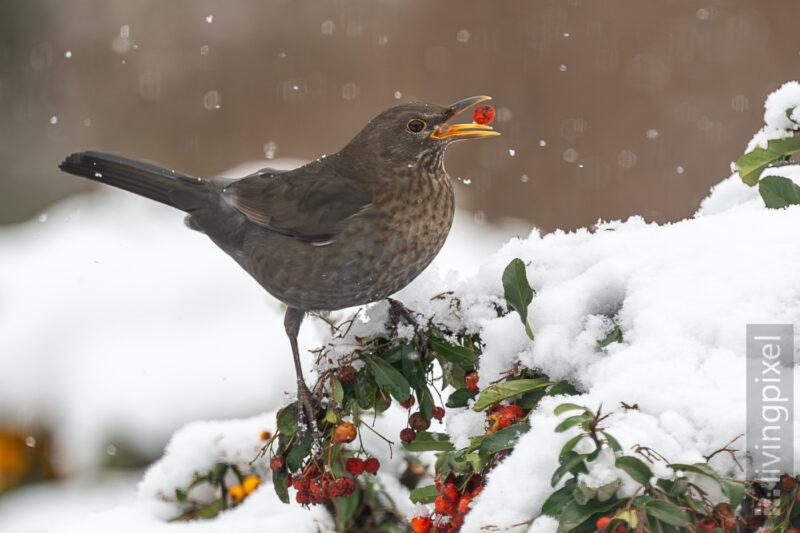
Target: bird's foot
column 306, row 413
column 399, row 311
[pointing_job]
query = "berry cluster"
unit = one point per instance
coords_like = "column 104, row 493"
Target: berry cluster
column 502, row 416
column 315, row 487
column 450, row 506
column 238, row 493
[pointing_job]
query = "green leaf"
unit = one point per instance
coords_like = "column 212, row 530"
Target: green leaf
column 531, row 398
column 211, row 510
column 298, row 451
column 459, row 355
column 751, row 164
column 608, row 490
column 556, row 502
column 778, row 192
column 181, row 496
column 789, row 114
column 426, row 404
column 426, row 441
column 572, row 421
column 564, row 407
column 570, row 444
column 573, row 514
column 635, row 468
column 570, row 462
column 518, row 291
column 501, row 391
column 460, row 398
column 615, row 335
column 668, row 512
column 338, row 391
column 615, row 445
column 562, row 387
column 504, row 439
column 279, row 484
column 365, row 388
column 424, row 494
column 287, row 419
column 347, row 507
column 388, row 378
column 734, row 491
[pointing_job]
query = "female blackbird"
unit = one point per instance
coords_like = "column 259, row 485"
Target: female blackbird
column 347, row 229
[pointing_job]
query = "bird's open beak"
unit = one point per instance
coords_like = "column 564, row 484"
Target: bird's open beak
column 463, row 131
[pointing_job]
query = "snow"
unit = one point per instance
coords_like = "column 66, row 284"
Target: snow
column 681, row 293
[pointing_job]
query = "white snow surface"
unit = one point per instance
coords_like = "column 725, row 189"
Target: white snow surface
column 682, row 294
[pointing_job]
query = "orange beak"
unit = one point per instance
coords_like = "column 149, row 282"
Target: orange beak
column 463, row 131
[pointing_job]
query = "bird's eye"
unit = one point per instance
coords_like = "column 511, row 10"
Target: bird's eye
column 415, row 125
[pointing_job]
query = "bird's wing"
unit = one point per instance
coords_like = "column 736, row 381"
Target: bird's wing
column 308, row 203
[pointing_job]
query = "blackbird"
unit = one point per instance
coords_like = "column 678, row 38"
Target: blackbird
column 344, row 230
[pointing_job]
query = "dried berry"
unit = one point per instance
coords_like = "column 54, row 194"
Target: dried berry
column 347, row 375
column 236, row 493
column 417, row 422
column 408, row 403
column 354, row 466
column 421, row 524
column 787, row 483
column 706, row 524
column 276, row 463
column 407, row 435
column 602, row 522
column 250, row 483
column 344, row 432
column 471, row 379
column 372, row 465
column 483, row 114
column 438, row 413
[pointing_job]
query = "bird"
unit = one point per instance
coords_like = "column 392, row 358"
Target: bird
column 344, row 230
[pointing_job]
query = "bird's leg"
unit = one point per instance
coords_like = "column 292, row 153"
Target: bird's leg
column 305, row 405
column 397, row 311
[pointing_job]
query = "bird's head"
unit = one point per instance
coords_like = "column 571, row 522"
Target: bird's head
column 414, row 133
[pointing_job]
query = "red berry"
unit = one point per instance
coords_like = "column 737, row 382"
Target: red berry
column 276, row 463
column 407, row 435
column 457, row 522
column 303, row 497
column 515, row 410
column 438, row 413
column 421, row 524
column 706, row 524
column 354, row 466
column 471, row 379
column 408, row 403
column 449, row 492
column 345, row 486
column 483, row 114
column 602, row 522
column 464, row 504
column 444, row 506
column 506, row 420
column 372, row 465
column 621, row 529
column 451, row 478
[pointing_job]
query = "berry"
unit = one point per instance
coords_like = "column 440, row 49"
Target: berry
column 451, row 478
column 408, row 403
column 444, row 506
column 471, row 379
column 347, row 375
column 621, row 529
column 464, row 504
column 303, row 497
column 506, row 420
column 515, row 410
column 417, row 422
column 276, row 463
column 438, row 413
column 602, row 522
column 407, row 435
column 421, row 524
column 706, row 524
column 354, row 466
column 236, row 493
column 457, row 522
column 449, row 492
column 344, row 432
column 266, row 435
column 483, row 114
column 345, row 486
column 372, row 465
column 250, row 483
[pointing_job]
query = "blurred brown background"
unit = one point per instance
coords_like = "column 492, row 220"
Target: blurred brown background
column 607, row 108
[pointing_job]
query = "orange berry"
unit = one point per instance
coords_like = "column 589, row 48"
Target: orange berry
column 250, row 483
column 421, row 524
column 236, row 493
column 471, row 379
column 344, row 432
column 602, row 522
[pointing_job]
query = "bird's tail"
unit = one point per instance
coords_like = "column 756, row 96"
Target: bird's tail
column 175, row 189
